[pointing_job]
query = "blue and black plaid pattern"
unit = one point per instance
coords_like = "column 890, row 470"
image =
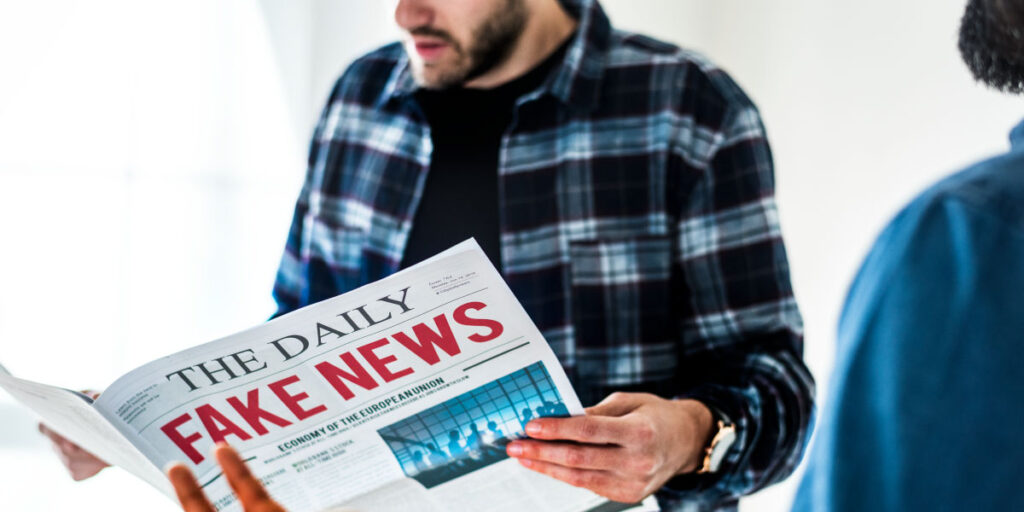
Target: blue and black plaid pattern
column 639, row 230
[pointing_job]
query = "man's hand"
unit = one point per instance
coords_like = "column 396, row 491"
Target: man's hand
column 79, row 463
column 250, row 491
column 624, row 449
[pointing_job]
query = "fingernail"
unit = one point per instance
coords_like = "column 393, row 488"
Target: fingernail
column 525, row 462
column 515, row 450
column 533, row 428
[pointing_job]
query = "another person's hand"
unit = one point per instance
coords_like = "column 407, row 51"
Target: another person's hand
column 79, row 463
column 624, row 448
column 250, row 492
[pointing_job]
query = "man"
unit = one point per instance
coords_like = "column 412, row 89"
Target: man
column 473, row 440
column 624, row 189
column 925, row 400
column 436, row 457
column 455, row 447
column 494, row 433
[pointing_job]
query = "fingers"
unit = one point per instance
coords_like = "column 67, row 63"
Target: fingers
column 60, row 442
column 600, row 482
column 83, row 466
column 583, row 429
column 80, row 463
column 577, row 477
column 190, row 494
column 568, row 454
column 617, row 404
column 251, row 494
column 53, row 436
column 247, row 487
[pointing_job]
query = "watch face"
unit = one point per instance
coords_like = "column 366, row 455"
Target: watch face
column 720, row 446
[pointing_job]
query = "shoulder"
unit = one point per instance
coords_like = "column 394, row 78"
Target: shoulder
column 988, row 195
column 683, row 79
column 961, row 223
column 366, row 77
column 992, row 188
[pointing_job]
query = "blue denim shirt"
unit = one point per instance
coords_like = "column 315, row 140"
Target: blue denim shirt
column 924, row 409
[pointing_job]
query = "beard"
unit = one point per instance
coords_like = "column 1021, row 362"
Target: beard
column 490, row 44
column 992, row 43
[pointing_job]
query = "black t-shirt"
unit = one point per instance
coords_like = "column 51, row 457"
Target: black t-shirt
column 460, row 198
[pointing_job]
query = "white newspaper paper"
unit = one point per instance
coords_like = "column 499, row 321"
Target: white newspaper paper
column 400, row 395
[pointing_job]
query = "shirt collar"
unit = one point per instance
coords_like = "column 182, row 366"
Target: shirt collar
column 1017, row 137
column 575, row 81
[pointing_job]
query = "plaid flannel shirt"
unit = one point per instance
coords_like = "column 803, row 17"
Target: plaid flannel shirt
column 638, row 229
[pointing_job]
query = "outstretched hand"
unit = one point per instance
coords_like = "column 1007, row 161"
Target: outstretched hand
column 250, row 492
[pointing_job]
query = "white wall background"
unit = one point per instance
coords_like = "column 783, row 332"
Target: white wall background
column 150, row 154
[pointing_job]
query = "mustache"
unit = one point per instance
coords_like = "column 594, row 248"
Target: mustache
column 433, row 32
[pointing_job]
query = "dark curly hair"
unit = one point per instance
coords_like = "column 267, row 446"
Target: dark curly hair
column 992, row 43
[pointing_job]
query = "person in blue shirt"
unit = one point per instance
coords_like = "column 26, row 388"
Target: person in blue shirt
column 925, row 410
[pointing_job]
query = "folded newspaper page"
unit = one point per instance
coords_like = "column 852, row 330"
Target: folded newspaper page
column 400, row 395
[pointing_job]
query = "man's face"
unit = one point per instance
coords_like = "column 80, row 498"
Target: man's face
column 992, row 42
column 450, row 42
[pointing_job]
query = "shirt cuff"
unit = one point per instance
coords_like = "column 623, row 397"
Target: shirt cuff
column 703, row 486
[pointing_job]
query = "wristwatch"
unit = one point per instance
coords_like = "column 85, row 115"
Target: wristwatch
column 715, row 452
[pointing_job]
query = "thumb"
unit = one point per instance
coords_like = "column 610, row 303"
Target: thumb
column 617, row 404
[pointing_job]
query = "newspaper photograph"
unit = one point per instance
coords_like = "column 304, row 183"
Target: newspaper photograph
column 399, row 395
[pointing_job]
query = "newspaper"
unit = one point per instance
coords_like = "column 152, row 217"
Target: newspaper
column 400, row 395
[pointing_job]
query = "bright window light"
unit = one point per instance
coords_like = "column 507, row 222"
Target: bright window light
column 149, row 160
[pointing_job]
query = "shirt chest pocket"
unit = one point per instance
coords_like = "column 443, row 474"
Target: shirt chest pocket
column 622, row 308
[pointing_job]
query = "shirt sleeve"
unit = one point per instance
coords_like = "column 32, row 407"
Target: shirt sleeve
column 926, row 383
column 291, row 284
column 741, row 329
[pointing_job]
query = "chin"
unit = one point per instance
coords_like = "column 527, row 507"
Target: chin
column 425, row 80
column 436, row 76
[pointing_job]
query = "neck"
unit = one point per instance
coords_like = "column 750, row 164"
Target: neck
column 547, row 27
